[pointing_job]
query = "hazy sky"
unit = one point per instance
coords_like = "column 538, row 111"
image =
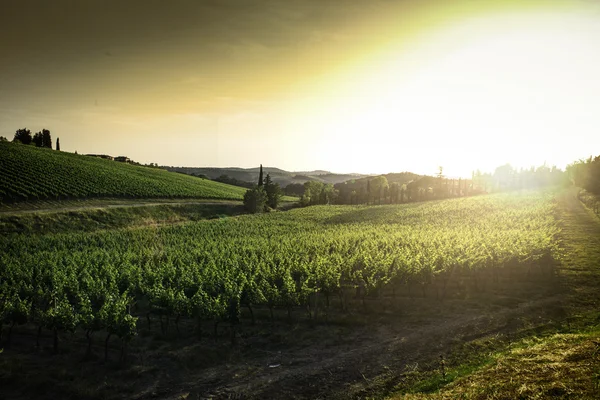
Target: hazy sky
column 346, row 85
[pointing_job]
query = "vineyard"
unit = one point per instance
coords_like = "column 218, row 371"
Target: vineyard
column 315, row 259
column 30, row 173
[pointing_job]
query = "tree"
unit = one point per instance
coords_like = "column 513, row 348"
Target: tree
column 273, row 192
column 3, row 139
column 260, row 176
column 46, row 139
column 23, row 136
column 255, row 199
column 294, row 189
column 37, row 139
column 316, row 192
column 368, row 190
column 229, row 180
column 377, row 186
column 504, row 177
column 58, row 144
column 394, row 192
column 586, row 174
column 440, row 176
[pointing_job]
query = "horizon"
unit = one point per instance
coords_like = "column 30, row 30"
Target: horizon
column 389, row 86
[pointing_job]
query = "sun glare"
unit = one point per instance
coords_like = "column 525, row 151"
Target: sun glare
column 476, row 94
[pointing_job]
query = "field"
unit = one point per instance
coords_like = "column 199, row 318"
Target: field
column 28, row 173
column 209, row 270
column 224, row 296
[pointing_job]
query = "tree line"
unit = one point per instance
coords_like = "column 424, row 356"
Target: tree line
column 585, row 173
column 42, row 138
column 407, row 187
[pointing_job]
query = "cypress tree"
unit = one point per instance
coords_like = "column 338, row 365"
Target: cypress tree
column 260, row 176
column 46, row 139
column 58, row 144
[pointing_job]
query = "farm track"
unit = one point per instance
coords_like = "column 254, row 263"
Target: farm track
column 129, row 204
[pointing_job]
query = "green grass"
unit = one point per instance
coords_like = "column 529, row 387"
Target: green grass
column 28, row 173
column 93, row 219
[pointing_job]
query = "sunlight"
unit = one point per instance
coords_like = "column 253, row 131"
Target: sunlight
column 473, row 94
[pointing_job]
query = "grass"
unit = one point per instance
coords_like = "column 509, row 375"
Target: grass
column 93, row 219
column 558, row 365
column 591, row 201
column 554, row 360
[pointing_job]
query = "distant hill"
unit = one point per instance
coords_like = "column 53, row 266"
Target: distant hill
column 29, row 173
column 278, row 175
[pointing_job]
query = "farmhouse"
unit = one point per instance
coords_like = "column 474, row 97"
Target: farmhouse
column 106, row 157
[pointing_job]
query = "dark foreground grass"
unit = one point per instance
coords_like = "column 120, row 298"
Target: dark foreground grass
column 554, row 360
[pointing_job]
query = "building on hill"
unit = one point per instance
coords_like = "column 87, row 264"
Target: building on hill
column 123, row 159
column 105, row 156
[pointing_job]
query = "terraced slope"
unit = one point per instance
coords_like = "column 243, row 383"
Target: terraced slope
column 30, row 173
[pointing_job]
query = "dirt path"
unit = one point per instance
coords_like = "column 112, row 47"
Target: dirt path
column 100, row 205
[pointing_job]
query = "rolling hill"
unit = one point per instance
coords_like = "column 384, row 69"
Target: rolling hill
column 30, row 173
column 280, row 176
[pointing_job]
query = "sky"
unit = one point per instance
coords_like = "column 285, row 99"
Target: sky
column 342, row 85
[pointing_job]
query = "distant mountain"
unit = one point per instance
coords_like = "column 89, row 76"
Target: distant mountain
column 278, row 175
column 317, row 172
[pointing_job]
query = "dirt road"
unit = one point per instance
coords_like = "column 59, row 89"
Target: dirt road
column 99, row 204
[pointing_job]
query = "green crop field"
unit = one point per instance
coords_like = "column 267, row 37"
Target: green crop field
column 30, row 173
column 322, row 301
column 207, row 270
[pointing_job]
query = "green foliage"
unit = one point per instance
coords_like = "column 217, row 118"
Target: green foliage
column 61, row 316
column 209, row 269
column 23, row 136
column 115, row 318
column 318, row 193
column 46, row 139
column 586, row 174
column 29, row 173
column 255, row 199
column 14, row 310
column 38, row 139
column 273, row 192
column 378, row 185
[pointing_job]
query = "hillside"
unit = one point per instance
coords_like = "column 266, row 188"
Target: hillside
column 30, row 173
column 280, row 176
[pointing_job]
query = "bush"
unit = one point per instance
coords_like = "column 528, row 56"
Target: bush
column 255, row 199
